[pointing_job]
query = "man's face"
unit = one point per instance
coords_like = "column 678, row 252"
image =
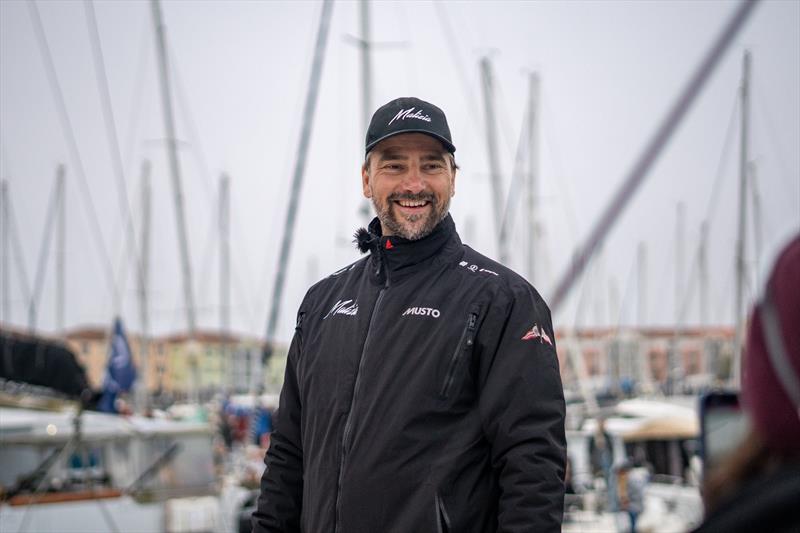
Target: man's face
column 410, row 182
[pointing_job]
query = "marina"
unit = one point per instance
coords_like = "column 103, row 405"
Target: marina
column 176, row 175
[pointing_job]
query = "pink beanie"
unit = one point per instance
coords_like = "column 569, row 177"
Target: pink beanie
column 771, row 380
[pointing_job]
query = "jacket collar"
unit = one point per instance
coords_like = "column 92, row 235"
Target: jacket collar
column 397, row 256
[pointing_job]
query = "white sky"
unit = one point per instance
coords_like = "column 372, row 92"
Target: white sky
column 609, row 71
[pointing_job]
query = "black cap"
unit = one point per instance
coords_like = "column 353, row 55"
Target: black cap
column 408, row 115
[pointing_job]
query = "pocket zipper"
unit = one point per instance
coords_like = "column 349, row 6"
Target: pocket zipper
column 464, row 344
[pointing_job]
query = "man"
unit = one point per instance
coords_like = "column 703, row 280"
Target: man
column 422, row 391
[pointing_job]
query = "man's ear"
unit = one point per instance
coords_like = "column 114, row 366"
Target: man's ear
column 453, row 184
column 365, row 182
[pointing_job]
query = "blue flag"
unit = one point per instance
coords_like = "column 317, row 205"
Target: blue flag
column 120, row 373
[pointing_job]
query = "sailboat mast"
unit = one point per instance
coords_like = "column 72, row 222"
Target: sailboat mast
column 174, row 164
column 365, row 46
column 702, row 259
column 299, row 169
column 650, row 154
column 225, row 278
column 641, row 285
column 494, row 162
column 175, row 174
column 143, row 398
column 60, row 252
column 533, row 172
column 4, row 249
column 741, row 245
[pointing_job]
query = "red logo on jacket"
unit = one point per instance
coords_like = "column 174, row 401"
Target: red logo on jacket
column 536, row 333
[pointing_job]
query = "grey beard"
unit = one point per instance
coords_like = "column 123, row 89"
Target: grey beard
column 395, row 226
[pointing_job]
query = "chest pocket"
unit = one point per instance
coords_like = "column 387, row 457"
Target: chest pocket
column 459, row 361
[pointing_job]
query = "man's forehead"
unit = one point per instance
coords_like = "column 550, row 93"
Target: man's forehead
column 406, row 142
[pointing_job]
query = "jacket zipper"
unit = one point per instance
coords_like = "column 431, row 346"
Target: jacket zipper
column 348, row 425
column 469, row 335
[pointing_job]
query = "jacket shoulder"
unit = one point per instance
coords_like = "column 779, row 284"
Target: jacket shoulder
column 335, row 280
column 507, row 280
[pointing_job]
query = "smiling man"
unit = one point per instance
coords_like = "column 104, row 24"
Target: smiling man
column 422, row 391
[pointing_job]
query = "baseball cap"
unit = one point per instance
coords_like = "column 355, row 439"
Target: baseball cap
column 771, row 377
column 408, row 115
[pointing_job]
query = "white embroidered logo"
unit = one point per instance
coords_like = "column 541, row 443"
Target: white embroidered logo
column 343, row 307
column 422, row 311
column 476, row 268
column 407, row 113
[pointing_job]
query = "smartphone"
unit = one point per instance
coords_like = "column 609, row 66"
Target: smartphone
column 723, row 427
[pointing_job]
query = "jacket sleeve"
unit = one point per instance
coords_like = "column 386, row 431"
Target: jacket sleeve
column 522, row 410
column 281, row 498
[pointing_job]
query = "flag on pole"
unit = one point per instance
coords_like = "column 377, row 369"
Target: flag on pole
column 120, row 373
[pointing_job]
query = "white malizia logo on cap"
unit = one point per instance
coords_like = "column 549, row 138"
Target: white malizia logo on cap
column 406, row 113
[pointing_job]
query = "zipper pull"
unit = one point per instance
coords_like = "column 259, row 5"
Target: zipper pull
column 473, row 319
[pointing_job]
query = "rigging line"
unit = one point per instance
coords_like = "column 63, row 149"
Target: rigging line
column 299, row 171
column 562, row 179
column 769, row 125
column 196, row 147
column 451, row 40
column 505, row 127
column 713, row 199
column 652, row 151
column 628, row 291
column 15, row 243
column 4, row 171
column 72, row 145
column 113, row 144
column 512, row 200
column 208, row 250
column 45, row 247
column 136, row 104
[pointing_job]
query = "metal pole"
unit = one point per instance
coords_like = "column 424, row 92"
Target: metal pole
column 143, row 386
column 651, row 152
column 4, row 220
column 641, row 315
column 533, row 173
column 680, row 239
column 299, row 169
column 703, row 264
column 44, row 250
column 494, row 162
column 757, row 227
column 741, row 245
column 175, row 173
column 225, row 277
column 366, row 83
column 174, row 163
column 61, row 252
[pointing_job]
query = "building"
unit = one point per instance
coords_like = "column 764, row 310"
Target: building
column 626, row 361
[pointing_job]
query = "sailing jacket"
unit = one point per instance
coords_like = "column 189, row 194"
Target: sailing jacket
column 422, row 394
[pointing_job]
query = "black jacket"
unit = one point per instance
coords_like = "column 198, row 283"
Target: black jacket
column 422, row 394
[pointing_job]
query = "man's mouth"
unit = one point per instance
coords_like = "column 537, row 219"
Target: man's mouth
column 412, row 205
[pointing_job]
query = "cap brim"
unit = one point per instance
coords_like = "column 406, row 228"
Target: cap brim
column 447, row 144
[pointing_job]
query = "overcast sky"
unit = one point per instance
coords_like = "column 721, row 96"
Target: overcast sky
column 240, row 71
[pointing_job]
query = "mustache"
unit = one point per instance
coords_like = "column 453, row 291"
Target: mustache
column 420, row 197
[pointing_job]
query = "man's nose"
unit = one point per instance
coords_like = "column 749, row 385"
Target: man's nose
column 413, row 181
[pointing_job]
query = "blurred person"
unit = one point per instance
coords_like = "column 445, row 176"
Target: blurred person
column 631, row 481
column 757, row 487
column 422, row 391
column 601, row 453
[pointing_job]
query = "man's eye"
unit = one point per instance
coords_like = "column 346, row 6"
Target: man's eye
column 392, row 166
column 433, row 166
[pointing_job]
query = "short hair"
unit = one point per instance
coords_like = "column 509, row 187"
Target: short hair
column 450, row 156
